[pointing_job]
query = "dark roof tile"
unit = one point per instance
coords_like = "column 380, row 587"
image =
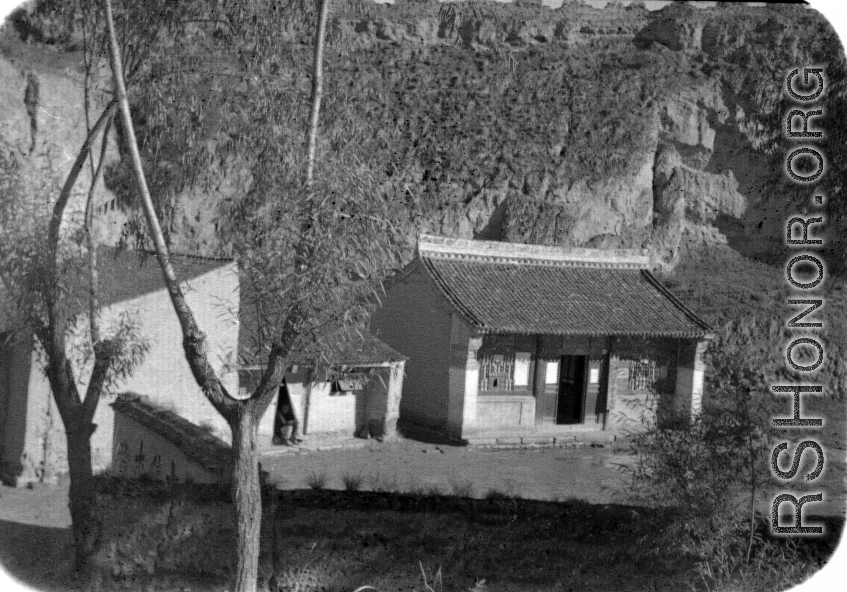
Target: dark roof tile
column 501, row 288
column 334, row 349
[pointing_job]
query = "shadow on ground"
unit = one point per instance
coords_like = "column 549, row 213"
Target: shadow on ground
column 38, row 556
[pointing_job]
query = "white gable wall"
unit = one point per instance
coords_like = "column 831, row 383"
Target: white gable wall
column 164, row 376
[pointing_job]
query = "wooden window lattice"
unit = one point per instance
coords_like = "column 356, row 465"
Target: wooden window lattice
column 499, row 367
column 642, row 374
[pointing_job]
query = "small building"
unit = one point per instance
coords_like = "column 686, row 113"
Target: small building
column 359, row 392
column 509, row 340
column 354, row 390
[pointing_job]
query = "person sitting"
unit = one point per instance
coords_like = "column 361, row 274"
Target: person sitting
column 286, row 426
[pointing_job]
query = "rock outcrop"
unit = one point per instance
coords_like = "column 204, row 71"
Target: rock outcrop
column 44, row 126
column 578, row 126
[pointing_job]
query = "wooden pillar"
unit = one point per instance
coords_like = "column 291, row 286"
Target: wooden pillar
column 611, row 361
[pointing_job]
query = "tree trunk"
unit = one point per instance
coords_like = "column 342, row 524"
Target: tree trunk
column 248, row 497
column 85, row 520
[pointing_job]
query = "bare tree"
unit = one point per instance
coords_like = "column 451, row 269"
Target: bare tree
column 43, row 255
column 49, row 259
column 312, row 242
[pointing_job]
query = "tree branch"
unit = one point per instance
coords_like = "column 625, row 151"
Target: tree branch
column 57, row 336
column 61, row 378
column 73, row 175
column 271, row 379
column 317, row 93
column 103, row 356
column 52, row 336
column 93, row 284
column 194, row 340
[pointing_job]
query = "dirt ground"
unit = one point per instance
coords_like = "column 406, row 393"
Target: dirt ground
column 589, row 474
column 35, row 538
column 34, row 523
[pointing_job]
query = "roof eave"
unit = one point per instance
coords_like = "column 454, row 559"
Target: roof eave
column 663, row 334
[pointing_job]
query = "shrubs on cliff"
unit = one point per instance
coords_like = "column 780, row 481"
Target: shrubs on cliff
column 436, row 125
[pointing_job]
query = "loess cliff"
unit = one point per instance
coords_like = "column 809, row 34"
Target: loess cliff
column 614, row 127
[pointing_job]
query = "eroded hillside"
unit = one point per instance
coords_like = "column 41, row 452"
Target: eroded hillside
column 578, row 126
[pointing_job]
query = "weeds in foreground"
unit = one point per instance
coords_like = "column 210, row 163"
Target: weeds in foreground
column 507, row 490
column 382, row 484
column 462, row 488
column 433, row 490
column 495, row 493
column 436, row 579
column 352, row 482
column 309, row 577
column 429, row 584
column 317, row 480
column 414, row 486
column 711, row 469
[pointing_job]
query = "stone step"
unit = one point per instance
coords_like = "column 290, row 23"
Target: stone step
column 535, row 440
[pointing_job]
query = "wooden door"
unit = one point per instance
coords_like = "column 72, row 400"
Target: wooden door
column 546, row 390
column 571, row 389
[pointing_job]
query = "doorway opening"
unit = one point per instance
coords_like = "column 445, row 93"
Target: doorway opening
column 286, row 425
column 569, row 406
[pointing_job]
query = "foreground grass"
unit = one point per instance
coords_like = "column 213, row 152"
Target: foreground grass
column 495, row 544
column 182, row 538
column 384, row 540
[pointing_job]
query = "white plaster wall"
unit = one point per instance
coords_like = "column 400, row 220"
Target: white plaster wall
column 689, row 378
column 164, row 376
column 463, row 378
column 330, row 412
column 45, row 448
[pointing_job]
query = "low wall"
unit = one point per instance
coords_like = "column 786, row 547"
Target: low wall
column 155, row 442
column 505, row 411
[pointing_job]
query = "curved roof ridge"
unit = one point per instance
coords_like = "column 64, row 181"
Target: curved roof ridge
column 533, row 292
column 676, row 301
column 431, row 246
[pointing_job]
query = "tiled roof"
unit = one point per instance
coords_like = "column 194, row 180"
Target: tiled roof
column 329, row 346
column 334, row 349
column 128, row 274
column 205, row 449
column 359, row 350
column 124, row 275
column 510, row 288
